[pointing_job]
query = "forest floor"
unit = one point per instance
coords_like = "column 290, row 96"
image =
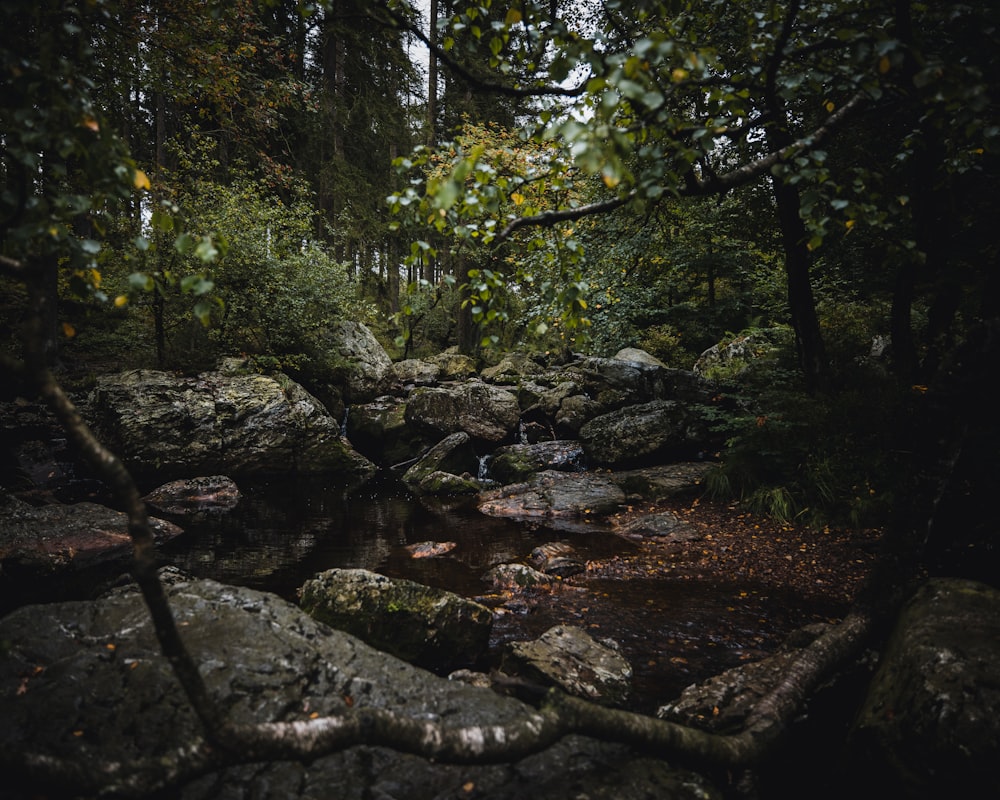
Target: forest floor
column 824, row 564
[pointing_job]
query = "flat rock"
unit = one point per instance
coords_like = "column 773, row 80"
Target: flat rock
column 64, row 692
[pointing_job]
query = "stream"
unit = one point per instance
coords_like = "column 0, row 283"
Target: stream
column 674, row 631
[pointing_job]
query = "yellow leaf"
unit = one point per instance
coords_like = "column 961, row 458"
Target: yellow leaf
column 121, row 300
column 91, row 124
column 517, row 198
column 611, row 181
column 141, row 181
column 829, row 106
column 679, row 74
column 884, row 65
column 513, row 17
column 68, row 330
column 850, row 225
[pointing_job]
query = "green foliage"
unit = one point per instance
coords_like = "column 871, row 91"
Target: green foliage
column 818, row 459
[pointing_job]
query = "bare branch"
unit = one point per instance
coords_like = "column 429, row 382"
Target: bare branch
column 549, row 218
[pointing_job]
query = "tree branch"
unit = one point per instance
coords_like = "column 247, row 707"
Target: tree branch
column 549, row 218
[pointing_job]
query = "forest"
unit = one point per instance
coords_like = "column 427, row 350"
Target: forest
column 812, row 183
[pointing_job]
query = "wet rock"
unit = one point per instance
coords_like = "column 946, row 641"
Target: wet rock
column 429, row 549
column 611, row 380
column 195, row 499
column 557, row 558
column 648, row 433
column 512, row 577
column 446, row 468
column 569, row 658
column 164, row 424
column 453, row 366
column 265, row 660
column 664, row 481
column 929, row 727
column 555, row 496
column 487, row 413
column 54, row 551
column 663, row 525
column 429, row 627
column 574, row 412
column 516, row 462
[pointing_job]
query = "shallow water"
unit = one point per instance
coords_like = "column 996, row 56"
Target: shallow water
column 674, row 631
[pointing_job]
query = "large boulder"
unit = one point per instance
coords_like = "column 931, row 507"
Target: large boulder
column 929, row 726
column 516, row 462
column 379, row 431
column 346, row 356
column 487, row 413
column 428, row 627
column 86, row 681
column 648, row 433
column 615, row 382
column 175, row 426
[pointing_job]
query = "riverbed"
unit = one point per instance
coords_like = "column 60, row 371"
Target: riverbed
column 676, row 624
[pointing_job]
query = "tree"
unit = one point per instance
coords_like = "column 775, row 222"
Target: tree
column 672, row 100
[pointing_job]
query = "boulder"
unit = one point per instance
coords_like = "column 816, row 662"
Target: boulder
column 346, row 355
column 428, row 627
column 453, row 366
column 663, row 525
column 66, row 693
column 175, row 426
column 574, row 412
column 379, row 431
column 648, row 433
column 665, row 480
column 637, row 356
column 929, row 725
column 516, row 462
column 559, row 499
column 453, row 456
column 513, row 368
column 737, row 354
column 416, row 371
column 487, row 413
column 571, row 659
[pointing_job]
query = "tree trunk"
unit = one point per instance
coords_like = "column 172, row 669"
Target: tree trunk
column 432, row 76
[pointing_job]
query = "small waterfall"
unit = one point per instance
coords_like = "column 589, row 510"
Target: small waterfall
column 522, row 433
column 343, row 422
column 484, row 468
